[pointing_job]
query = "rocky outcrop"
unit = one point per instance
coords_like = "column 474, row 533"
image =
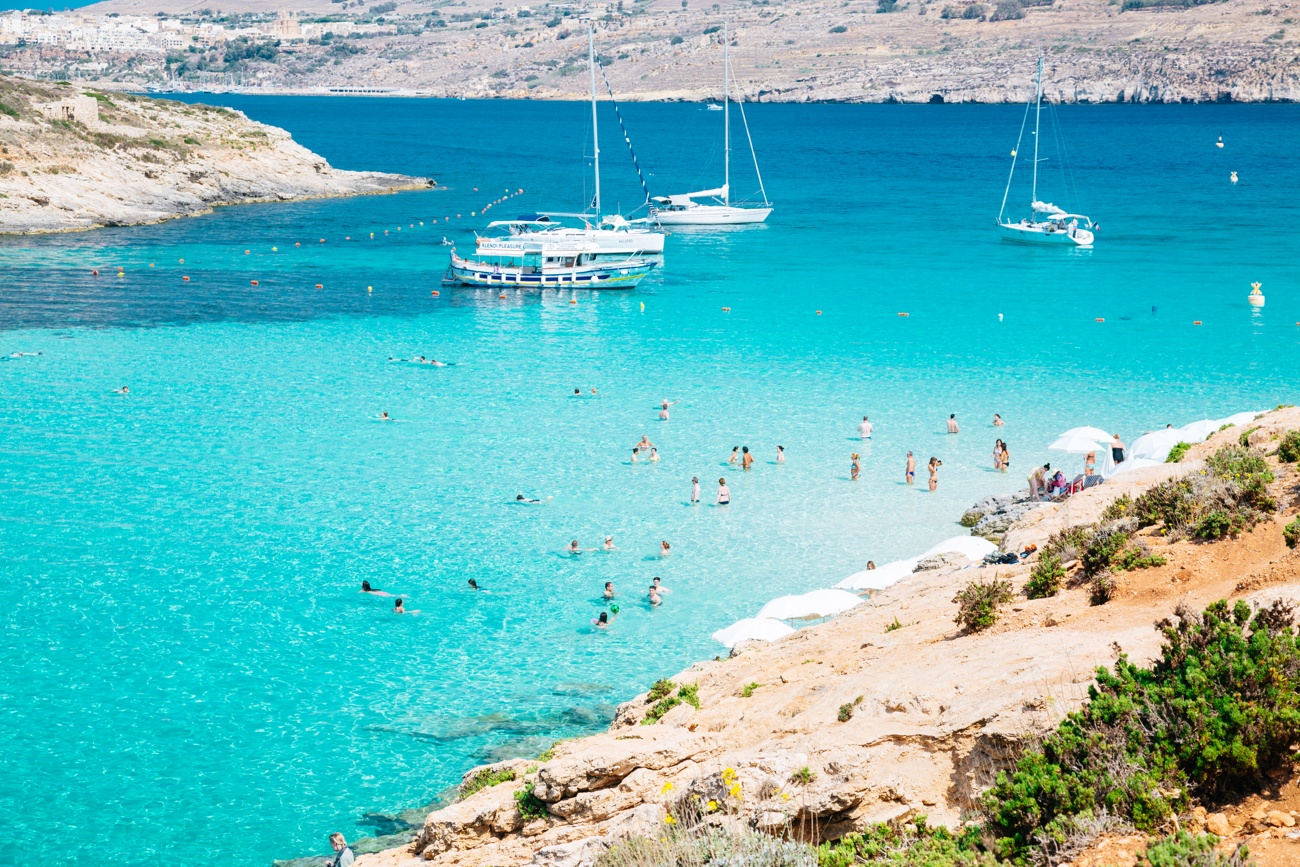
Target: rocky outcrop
column 138, row 160
column 991, row 517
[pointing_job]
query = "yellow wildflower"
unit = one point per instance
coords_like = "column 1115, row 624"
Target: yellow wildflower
column 785, row 795
column 735, row 790
column 670, row 820
column 668, row 787
column 713, row 805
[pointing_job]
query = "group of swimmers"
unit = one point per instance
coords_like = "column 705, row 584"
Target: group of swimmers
column 399, row 604
column 419, row 359
column 654, row 596
column 1001, row 456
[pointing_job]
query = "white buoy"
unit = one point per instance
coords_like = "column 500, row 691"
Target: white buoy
column 1219, row 143
column 1256, row 297
column 1233, row 178
column 999, row 317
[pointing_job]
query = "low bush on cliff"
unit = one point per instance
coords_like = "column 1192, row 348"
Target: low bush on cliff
column 1046, row 577
column 914, row 844
column 664, row 700
column 1177, row 452
column 1288, row 451
column 484, row 779
column 1192, row 850
column 708, row 845
column 978, row 604
column 1291, row 533
column 529, row 805
column 1228, row 496
column 1216, row 711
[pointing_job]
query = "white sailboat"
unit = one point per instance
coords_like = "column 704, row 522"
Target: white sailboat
column 613, row 234
column 1046, row 223
column 682, row 209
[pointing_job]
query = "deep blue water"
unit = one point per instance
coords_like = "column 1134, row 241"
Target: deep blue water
column 189, row 674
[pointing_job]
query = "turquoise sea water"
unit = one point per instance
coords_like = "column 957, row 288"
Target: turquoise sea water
column 187, row 671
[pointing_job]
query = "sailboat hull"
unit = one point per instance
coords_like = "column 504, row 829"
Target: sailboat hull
column 713, row 215
column 1044, row 233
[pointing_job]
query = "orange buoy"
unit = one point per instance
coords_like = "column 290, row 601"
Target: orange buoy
column 322, row 240
column 436, row 293
column 476, row 189
column 905, row 315
column 1099, row 319
column 182, row 261
column 297, row 243
column 819, row 313
column 571, row 300
column 502, row 297
column 246, row 252
column 319, row 286
column 254, row 282
column 150, row 264
column 1196, row 322
column 186, row 279
column 94, row 273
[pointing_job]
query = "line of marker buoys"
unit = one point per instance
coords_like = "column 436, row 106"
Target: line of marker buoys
column 726, row 309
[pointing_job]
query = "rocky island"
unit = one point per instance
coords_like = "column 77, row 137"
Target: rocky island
column 78, row 159
column 907, row 706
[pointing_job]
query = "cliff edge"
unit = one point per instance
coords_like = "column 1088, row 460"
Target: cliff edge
column 73, row 159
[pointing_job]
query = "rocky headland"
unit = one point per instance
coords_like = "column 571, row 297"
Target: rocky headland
column 74, row 159
column 893, row 710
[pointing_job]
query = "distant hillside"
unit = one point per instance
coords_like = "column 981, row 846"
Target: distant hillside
column 783, row 50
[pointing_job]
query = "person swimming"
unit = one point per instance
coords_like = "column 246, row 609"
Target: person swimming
column 655, row 598
column 573, row 547
column 997, row 420
column 780, row 454
column 527, row 501
column 635, row 452
column 609, row 543
column 473, row 585
column 398, row 606
column 663, row 409
column 122, row 390
column 746, row 460
column 735, row 455
column 654, row 455
column 601, row 622
column 383, row 416
column 724, row 493
column 609, row 589
column 663, row 591
column 855, row 468
column 645, row 444
column 665, row 549
column 577, row 392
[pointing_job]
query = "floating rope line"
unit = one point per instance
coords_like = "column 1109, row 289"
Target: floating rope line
column 626, row 138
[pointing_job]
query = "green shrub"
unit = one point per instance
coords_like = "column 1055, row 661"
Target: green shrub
column 4, row 109
column 1214, row 526
column 803, row 776
column 1244, row 439
column 690, row 842
column 660, row 708
column 1291, row 533
column 1067, row 543
column 912, row 844
column 974, row 12
column 1176, row 453
column 530, row 806
column 1101, row 589
column 1120, row 507
column 690, row 693
column 884, row 7
column 1102, row 547
column 846, row 713
column 978, row 603
column 1288, row 451
column 1235, row 483
column 1187, row 850
column 839, row 28
column 1008, row 10
column 1218, row 710
column 748, row 690
column 660, row 689
column 549, row 753
column 1137, row 556
column 484, row 779
column 1045, row 578
column 896, row 625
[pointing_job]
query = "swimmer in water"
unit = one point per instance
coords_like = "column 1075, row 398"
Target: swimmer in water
column 665, row 549
column 695, row 490
column 746, row 459
column 952, row 424
column 654, row 455
column 373, row 591
column 437, row 363
column 574, row 550
column 645, row 444
column 473, row 585
column 663, row 409
column 609, row 543
column 577, row 392
column 593, row 392
column 655, row 599
column 780, row 454
column 609, row 589
column 528, row 501
column 662, row 590
column 601, row 622
column 935, row 463
column 735, row 455
column 398, row 606
column 724, row 493
column 855, row 468
column 122, row 390
column 997, row 420
column 635, row 452
column 911, row 469
column 383, row 416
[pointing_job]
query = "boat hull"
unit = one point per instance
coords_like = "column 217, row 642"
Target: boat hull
column 623, row 275
column 1040, row 233
column 713, row 215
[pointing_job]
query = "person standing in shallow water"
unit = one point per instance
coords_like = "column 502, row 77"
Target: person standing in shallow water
column 952, row 424
column 747, row 460
column 935, row 463
column 695, row 490
column 855, row 468
column 724, row 493
column 911, row 469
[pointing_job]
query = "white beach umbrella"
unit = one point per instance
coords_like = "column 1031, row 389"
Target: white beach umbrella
column 1239, row 418
column 1155, row 446
column 880, row 577
column 752, row 629
column 807, row 606
column 1197, row 431
column 1092, row 433
column 1133, row 464
column 973, row 547
column 1078, row 444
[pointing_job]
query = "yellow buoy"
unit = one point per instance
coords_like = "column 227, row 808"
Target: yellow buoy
column 370, row 288
column 643, row 305
column 275, row 249
column 1256, row 297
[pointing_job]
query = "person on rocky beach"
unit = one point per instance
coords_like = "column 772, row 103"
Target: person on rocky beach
column 1038, row 481
column 343, row 856
column 1117, row 450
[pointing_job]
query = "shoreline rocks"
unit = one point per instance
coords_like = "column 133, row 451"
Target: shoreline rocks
column 991, row 517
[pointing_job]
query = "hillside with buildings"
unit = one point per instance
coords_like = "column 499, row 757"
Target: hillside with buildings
column 782, row 50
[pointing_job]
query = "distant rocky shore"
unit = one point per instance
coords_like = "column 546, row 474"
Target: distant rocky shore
column 71, row 160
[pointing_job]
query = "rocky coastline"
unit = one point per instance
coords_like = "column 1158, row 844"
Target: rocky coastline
column 72, row 160
column 886, row 712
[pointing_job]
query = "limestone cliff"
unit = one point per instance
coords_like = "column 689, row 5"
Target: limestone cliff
column 76, row 160
column 886, row 711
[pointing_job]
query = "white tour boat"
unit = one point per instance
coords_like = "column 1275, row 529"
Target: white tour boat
column 617, row 240
column 1046, row 224
column 535, row 264
column 682, row 209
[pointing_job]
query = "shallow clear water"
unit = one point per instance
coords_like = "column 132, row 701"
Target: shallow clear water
column 187, row 672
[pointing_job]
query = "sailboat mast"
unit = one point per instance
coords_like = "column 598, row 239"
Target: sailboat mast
column 726, row 115
column 595, row 134
column 1038, row 111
